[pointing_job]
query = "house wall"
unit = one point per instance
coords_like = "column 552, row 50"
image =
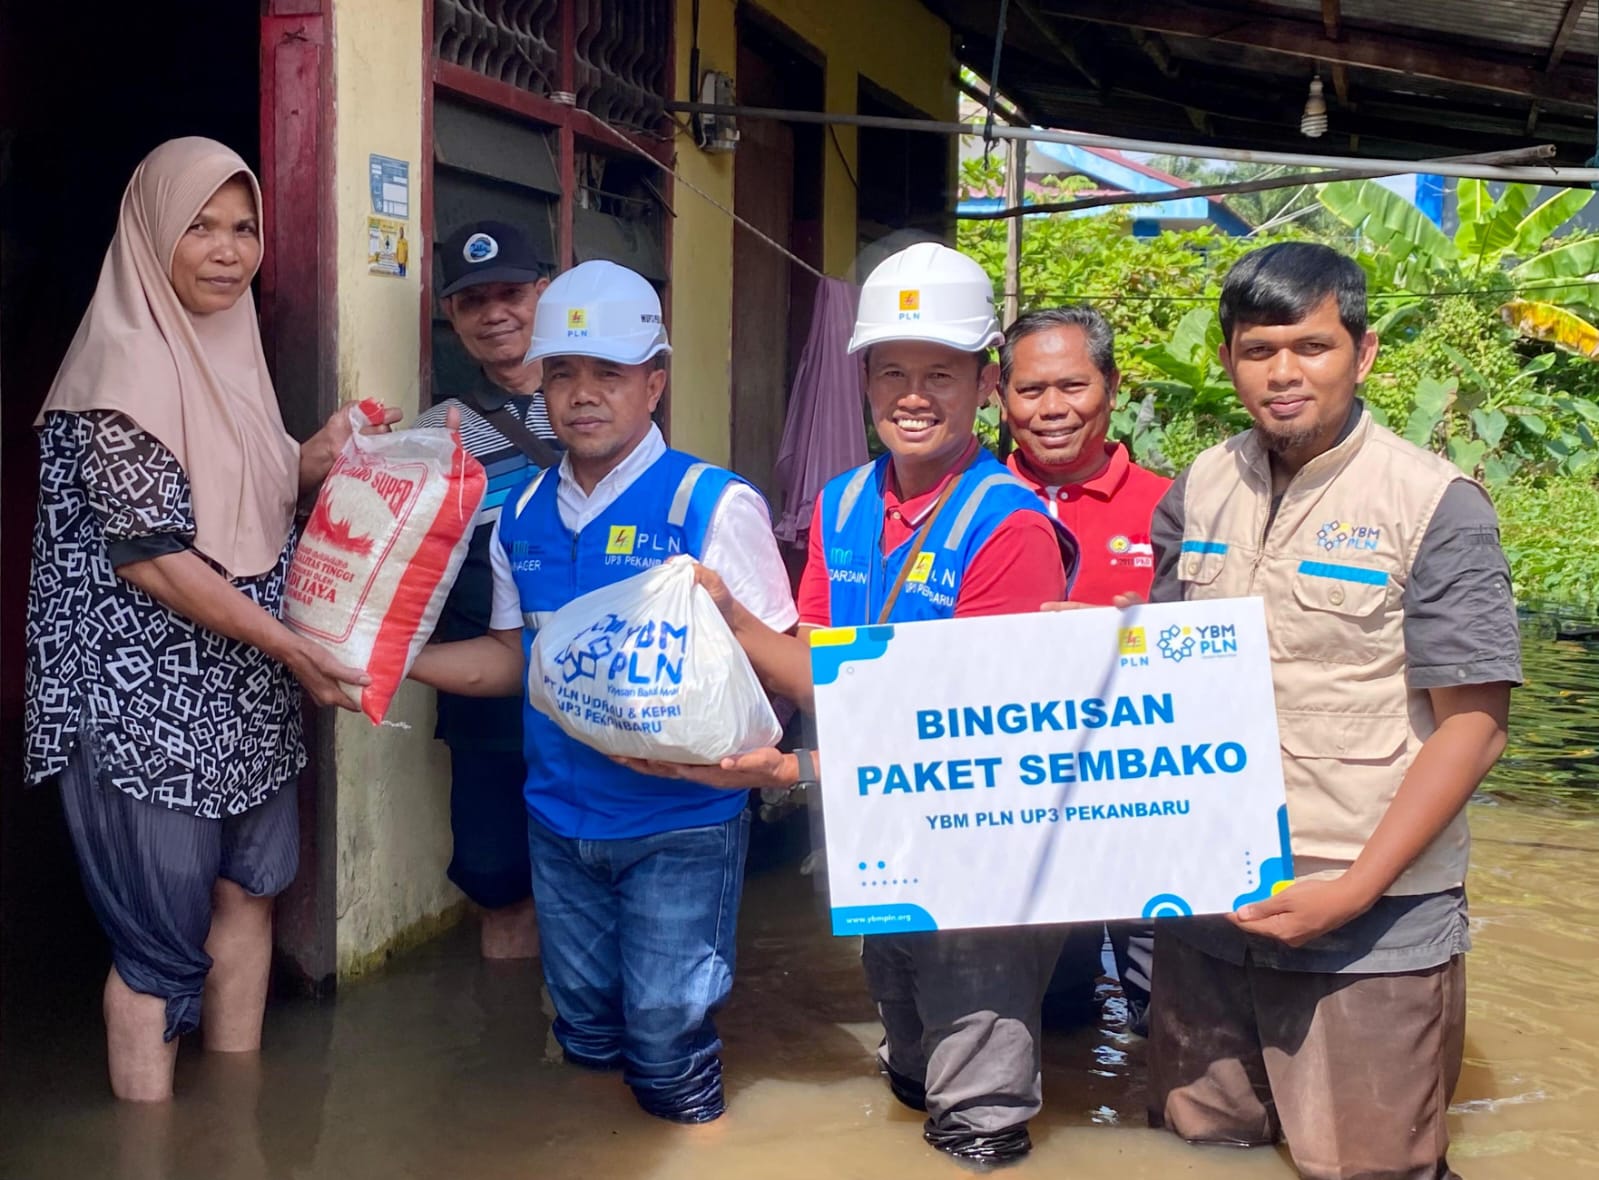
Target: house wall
column 898, row 45
column 392, row 822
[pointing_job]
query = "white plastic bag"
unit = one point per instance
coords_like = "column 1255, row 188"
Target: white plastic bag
column 647, row 668
column 379, row 555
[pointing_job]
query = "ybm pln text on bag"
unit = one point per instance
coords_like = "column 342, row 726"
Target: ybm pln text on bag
column 647, row 668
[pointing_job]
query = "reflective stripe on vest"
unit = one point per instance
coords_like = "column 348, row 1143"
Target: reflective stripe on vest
column 526, row 497
column 859, row 573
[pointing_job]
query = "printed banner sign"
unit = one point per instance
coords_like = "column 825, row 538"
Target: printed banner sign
column 1032, row 769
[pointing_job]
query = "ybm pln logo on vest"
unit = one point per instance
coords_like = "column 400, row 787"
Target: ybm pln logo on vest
column 626, row 545
column 1213, row 641
column 1341, row 535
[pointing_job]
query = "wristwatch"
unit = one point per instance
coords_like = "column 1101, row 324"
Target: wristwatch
column 808, row 776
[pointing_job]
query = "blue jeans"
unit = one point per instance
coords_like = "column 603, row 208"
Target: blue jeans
column 637, row 941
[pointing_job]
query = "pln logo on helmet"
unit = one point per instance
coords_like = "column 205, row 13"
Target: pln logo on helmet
column 577, row 322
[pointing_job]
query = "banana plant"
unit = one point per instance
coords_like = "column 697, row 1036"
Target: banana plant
column 1566, row 275
column 1501, row 241
column 1181, row 389
column 1190, row 373
column 1550, row 324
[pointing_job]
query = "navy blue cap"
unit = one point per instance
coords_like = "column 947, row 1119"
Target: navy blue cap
column 487, row 252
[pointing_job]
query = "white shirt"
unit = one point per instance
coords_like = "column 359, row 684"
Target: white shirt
column 739, row 544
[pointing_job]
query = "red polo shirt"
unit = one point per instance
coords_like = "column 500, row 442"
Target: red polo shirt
column 1109, row 515
column 1017, row 569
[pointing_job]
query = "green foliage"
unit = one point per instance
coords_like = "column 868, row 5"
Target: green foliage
column 1450, row 375
column 1563, row 274
column 1184, row 376
column 1405, row 251
column 988, row 427
column 1550, row 530
column 1175, row 398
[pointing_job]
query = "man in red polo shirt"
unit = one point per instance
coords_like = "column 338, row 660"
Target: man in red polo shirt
column 1058, row 381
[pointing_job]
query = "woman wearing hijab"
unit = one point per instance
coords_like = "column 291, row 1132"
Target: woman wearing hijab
column 161, row 685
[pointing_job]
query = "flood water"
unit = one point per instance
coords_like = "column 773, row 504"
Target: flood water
column 439, row 1066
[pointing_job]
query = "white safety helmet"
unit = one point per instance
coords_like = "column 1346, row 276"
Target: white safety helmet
column 601, row 310
column 928, row 292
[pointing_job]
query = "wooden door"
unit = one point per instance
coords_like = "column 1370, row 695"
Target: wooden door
column 763, row 194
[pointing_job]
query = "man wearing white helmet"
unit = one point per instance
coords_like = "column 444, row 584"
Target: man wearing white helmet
column 935, row 529
column 636, row 880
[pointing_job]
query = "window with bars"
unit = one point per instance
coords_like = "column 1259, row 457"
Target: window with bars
column 620, row 50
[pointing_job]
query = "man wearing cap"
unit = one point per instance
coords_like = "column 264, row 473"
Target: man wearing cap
column 637, row 880
column 492, row 283
column 1058, row 383
column 935, row 529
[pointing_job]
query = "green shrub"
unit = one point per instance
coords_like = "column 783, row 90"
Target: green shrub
column 1451, row 375
column 1550, row 530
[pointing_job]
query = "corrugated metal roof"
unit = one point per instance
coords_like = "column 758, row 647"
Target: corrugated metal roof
column 1522, row 24
column 1417, row 77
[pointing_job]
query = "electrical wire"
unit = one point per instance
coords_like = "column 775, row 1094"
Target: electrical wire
column 832, row 132
column 710, row 200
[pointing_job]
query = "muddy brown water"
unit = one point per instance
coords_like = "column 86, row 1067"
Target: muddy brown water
column 438, row 1067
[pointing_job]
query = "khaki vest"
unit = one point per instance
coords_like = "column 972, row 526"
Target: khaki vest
column 1332, row 571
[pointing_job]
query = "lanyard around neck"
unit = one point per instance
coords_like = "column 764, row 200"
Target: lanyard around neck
column 920, row 540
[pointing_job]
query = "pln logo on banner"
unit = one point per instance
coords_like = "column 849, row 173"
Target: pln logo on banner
column 1133, row 647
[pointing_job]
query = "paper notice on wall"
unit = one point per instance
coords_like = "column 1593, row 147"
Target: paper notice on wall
column 391, row 187
column 387, row 251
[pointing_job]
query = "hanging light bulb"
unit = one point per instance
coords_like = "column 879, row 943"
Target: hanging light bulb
column 1313, row 123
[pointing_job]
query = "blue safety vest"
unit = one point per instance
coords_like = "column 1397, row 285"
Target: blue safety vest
column 860, row 575
column 571, row 788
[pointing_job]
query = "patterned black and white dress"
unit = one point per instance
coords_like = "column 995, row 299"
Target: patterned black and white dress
column 174, row 713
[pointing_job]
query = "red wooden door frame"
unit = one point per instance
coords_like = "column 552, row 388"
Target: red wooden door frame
column 299, row 273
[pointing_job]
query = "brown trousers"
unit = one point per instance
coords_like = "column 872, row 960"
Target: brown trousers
column 1356, row 1071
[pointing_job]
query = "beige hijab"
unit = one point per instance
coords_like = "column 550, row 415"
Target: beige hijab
column 198, row 384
